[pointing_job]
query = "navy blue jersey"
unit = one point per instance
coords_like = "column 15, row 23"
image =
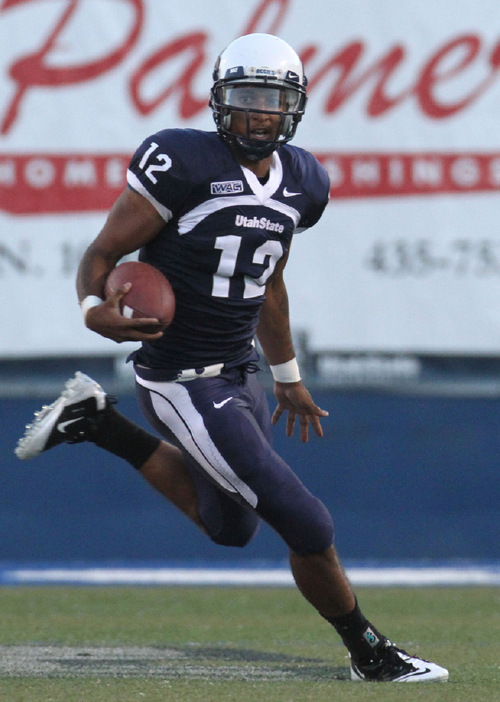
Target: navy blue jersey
column 224, row 233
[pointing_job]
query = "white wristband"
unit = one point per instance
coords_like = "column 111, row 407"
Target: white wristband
column 88, row 302
column 287, row 372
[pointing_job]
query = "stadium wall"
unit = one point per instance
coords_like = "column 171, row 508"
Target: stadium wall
column 406, row 477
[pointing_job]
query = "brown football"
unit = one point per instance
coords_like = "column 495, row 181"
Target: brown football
column 151, row 294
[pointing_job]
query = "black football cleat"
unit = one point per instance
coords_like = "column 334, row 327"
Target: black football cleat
column 65, row 420
column 392, row 664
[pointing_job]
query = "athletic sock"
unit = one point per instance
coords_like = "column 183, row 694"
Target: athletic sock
column 360, row 637
column 113, row 432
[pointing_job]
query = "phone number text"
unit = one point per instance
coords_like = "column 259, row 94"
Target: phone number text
column 424, row 257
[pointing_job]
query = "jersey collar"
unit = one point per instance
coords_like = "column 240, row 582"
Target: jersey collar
column 265, row 192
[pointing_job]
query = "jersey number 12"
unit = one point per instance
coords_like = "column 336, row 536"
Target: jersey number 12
column 267, row 254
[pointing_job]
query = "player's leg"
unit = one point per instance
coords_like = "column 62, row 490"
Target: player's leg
column 321, row 578
column 84, row 412
column 302, row 521
column 227, row 424
column 225, row 521
column 165, row 470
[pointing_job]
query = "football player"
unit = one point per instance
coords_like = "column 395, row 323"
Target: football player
column 216, row 213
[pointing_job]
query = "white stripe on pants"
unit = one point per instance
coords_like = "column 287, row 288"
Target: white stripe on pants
column 174, row 407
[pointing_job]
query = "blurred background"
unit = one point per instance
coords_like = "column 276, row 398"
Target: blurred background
column 394, row 294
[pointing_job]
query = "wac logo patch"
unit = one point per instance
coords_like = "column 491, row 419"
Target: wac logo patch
column 226, row 187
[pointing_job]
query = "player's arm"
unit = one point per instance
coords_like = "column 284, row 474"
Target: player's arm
column 275, row 337
column 131, row 223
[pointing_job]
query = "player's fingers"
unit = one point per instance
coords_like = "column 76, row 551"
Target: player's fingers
column 117, row 296
column 276, row 414
column 144, row 329
column 315, row 421
column 290, row 423
column 304, row 427
column 113, row 301
column 142, row 323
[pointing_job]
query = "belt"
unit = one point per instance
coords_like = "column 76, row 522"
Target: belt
column 158, row 375
column 194, row 373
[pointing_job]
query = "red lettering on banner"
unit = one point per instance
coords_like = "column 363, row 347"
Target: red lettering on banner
column 357, row 175
column 32, row 70
column 345, row 61
column 38, row 183
column 256, row 23
column 432, row 75
column 194, row 46
column 44, row 183
column 345, row 86
column 462, row 52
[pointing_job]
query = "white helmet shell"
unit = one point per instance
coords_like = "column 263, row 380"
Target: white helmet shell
column 261, row 60
column 260, row 57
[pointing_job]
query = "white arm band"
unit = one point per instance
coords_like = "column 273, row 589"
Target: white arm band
column 88, row 302
column 287, row 372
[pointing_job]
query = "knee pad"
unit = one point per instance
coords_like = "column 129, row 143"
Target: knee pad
column 303, row 521
column 227, row 523
column 238, row 536
column 315, row 534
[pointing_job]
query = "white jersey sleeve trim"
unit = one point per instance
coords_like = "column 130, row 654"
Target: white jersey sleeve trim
column 136, row 185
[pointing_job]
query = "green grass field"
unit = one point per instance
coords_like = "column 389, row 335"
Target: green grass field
column 216, row 644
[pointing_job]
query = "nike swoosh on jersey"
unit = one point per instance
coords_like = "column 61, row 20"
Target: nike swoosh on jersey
column 287, row 193
column 218, row 405
column 62, row 425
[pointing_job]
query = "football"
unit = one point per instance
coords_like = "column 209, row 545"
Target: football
column 151, row 294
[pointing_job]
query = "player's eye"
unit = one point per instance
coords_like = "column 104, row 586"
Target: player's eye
column 260, row 99
column 271, row 99
column 246, row 99
column 238, row 97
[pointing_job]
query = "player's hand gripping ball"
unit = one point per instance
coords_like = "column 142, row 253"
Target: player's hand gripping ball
column 151, row 294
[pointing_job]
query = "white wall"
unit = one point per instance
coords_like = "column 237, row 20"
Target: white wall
column 407, row 256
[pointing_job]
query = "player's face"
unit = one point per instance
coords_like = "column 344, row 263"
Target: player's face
column 264, row 122
column 256, row 125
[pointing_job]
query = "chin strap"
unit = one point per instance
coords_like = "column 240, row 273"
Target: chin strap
column 251, row 151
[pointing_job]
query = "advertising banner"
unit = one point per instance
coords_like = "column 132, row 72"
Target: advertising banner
column 403, row 111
